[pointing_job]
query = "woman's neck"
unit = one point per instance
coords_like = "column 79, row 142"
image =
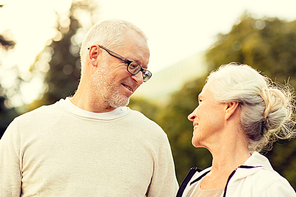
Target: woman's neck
column 227, row 156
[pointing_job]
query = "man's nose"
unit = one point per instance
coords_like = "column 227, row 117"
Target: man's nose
column 138, row 77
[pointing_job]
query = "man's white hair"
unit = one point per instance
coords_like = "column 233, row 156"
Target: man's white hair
column 108, row 33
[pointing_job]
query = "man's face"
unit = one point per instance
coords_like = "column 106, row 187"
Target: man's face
column 113, row 83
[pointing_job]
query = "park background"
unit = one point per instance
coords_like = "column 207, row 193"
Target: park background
column 39, row 58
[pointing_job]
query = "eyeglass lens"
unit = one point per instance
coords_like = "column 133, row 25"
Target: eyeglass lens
column 135, row 68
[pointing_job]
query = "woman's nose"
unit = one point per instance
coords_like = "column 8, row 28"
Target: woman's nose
column 191, row 116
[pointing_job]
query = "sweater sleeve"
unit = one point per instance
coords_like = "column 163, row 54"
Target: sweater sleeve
column 10, row 173
column 164, row 182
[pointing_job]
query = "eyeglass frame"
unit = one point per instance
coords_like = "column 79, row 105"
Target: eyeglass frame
column 129, row 62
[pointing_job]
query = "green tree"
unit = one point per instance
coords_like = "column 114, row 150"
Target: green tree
column 268, row 45
column 7, row 113
column 62, row 77
column 149, row 109
column 265, row 44
column 173, row 119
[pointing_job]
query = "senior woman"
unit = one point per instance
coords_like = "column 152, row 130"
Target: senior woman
column 239, row 113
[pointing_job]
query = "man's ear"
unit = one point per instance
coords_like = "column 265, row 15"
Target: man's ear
column 93, row 54
column 231, row 108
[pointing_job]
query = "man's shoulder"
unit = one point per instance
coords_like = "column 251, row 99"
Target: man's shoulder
column 42, row 112
column 145, row 124
column 142, row 117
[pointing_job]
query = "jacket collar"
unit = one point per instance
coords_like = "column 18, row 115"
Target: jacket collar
column 253, row 164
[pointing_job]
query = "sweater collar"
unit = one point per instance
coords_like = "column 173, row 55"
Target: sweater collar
column 70, row 107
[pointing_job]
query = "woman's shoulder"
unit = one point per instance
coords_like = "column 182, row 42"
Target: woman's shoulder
column 264, row 180
column 271, row 183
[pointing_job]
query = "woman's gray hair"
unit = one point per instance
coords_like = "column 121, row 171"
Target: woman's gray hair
column 108, row 33
column 266, row 107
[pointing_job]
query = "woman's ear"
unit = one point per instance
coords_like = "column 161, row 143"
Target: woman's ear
column 93, row 54
column 231, row 108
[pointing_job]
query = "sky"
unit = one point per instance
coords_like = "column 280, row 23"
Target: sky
column 178, row 29
column 175, row 29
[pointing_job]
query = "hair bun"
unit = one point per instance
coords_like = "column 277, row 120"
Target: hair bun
column 274, row 99
column 277, row 114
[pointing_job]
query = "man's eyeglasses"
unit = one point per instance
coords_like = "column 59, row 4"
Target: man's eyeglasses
column 132, row 66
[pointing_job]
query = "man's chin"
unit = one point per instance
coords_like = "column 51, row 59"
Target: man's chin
column 120, row 103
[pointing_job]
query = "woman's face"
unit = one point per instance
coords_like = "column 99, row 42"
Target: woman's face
column 208, row 119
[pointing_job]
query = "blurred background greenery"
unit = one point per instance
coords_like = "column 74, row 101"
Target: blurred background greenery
column 267, row 44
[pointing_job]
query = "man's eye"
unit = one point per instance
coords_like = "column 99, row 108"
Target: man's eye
column 133, row 65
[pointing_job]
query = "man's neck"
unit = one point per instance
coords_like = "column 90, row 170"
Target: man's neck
column 89, row 104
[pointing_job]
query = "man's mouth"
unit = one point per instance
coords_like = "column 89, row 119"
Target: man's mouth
column 128, row 87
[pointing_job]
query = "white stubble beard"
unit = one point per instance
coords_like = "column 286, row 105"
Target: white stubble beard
column 106, row 90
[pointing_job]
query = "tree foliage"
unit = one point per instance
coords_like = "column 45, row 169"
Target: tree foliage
column 6, row 43
column 6, row 113
column 265, row 44
column 63, row 76
column 140, row 104
column 173, row 119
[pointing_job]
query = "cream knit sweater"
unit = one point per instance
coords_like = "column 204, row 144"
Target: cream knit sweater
column 62, row 150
